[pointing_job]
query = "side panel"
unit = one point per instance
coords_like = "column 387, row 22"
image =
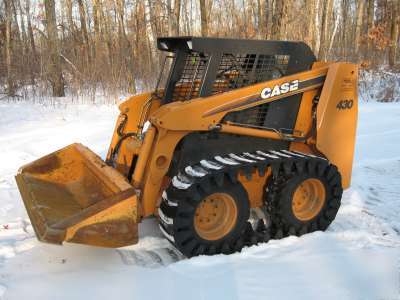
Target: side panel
column 337, row 118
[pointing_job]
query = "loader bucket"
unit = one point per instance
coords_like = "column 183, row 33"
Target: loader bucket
column 72, row 195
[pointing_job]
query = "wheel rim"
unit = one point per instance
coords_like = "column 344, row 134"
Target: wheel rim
column 215, row 216
column 308, row 199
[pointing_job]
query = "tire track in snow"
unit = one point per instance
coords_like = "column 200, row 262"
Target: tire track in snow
column 370, row 208
column 382, row 193
column 150, row 258
column 15, row 237
column 3, row 290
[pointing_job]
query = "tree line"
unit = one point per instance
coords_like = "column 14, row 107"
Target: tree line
column 110, row 45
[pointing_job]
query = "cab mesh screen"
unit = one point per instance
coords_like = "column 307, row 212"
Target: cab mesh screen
column 234, row 71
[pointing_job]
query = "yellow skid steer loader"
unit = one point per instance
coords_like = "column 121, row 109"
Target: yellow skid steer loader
column 242, row 141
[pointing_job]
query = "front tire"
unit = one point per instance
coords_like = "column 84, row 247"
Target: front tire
column 209, row 219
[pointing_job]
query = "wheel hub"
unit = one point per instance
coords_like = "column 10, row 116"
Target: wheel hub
column 308, row 199
column 215, row 216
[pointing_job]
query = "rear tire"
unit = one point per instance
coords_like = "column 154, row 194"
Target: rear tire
column 306, row 200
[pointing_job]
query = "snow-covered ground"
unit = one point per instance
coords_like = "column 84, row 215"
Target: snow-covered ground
column 357, row 258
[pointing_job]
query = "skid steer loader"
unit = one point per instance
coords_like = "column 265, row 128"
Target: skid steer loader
column 242, row 141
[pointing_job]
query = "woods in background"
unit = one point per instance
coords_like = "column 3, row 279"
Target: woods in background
column 109, row 45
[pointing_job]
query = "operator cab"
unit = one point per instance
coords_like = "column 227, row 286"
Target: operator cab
column 200, row 67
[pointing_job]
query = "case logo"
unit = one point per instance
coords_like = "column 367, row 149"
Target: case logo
column 280, row 89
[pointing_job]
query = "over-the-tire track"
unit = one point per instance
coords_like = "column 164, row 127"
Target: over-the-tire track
column 185, row 191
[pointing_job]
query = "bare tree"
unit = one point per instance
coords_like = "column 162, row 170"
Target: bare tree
column 280, row 19
column 394, row 32
column 23, row 29
column 174, row 17
column 312, row 11
column 344, row 21
column 30, row 29
column 359, row 23
column 370, row 21
column 204, row 18
column 84, row 31
column 17, row 33
column 327, row 12
column 71, row 24
column 126, row 47
column 262, row 18
column 96, row 21
column 8, row 46
column 55, row 75
column 277, row 19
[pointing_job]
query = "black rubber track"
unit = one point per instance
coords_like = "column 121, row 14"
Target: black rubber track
column 280, row 195
column 186, row 238
column 179, row 203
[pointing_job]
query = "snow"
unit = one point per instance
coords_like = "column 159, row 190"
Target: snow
column 266, row 154
column 195, row 172
column 165, row 219
column 357, row 258
column 210, row 165
column 179, row 184
column 225, row 160
column 239, row 158
column 253, row 156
